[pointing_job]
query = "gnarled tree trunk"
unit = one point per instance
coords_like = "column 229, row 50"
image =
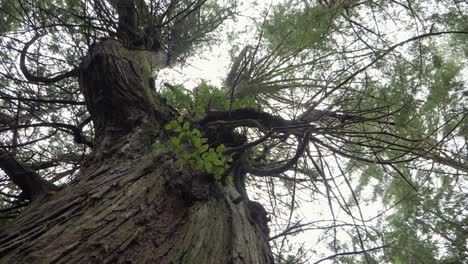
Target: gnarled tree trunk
column 130, row 204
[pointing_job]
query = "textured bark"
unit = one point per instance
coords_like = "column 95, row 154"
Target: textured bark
column 130, row 204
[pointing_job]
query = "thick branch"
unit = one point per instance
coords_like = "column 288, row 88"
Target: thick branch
column 25, row 178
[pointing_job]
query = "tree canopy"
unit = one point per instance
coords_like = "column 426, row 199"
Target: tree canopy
column 354, row 113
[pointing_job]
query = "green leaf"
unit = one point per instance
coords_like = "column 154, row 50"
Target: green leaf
column 220, row 148
column 208, row 166
column 220, row 170
column 203, row 148
column 186, row 126
column 196, row 132
column 217, row 162
column 230, row 178
column 186, row 156
column 180, row 163
column 175, row 142
column 171, row 125
column 180, row 119
column 197, row 142
column 212, row 155
column 158, row 146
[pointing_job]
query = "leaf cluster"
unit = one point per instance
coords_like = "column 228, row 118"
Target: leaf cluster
column 204, row 98
column 194, row 150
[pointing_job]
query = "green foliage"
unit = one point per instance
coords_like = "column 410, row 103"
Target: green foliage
column 194, row 150
column 430, row 215
column 203, row 97
column 8, row 14
column 443, row 82
column 421, row 224
column 293, row 29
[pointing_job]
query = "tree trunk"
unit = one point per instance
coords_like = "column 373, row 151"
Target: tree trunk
column 130, row 204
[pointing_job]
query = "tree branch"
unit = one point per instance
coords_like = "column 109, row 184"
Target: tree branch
column 37, row 79
column 31, row 183
column 352, row 253
column 266, row 172
column 265, row 119
column 75, row 131
column 45, row 101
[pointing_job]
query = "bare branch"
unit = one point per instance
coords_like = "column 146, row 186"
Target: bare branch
column 37, row 79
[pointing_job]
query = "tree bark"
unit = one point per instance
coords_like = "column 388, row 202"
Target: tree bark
column 130, row 204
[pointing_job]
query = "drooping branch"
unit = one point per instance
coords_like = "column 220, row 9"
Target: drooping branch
column 31, row 184
column 37, row 79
